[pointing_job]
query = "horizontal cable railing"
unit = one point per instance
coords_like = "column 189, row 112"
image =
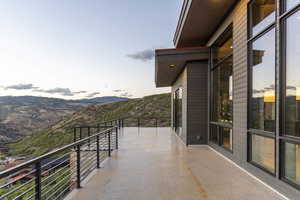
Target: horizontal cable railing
column 81, row 132
column 146, row 122
column 55, row 174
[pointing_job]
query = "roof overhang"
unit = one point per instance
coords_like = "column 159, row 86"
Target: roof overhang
column 169, row 63
column 199, row 19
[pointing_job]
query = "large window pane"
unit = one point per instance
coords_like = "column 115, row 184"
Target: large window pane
column 223, row 51
column 262, row 101
column 263, row 14
column 292, row 107
column 291, row 3
column 226, row 137
column 263, row 152
column 222, row 92
column 292, row 162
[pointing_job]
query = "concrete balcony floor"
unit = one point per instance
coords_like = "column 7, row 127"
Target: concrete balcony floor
column 153, row 164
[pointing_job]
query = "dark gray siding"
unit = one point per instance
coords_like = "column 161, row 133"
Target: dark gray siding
column 197, row 102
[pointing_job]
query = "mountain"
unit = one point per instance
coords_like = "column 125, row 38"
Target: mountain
column 61, row 133
column 21, row 115
column 101, row 99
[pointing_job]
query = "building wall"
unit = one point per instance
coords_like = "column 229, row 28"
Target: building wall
column 240, row 79
column 197, row 102
column 193, row 81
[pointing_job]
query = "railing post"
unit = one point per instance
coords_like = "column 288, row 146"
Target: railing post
column 78, row 167
column 109, row 147
column 74, row 134
column 38, row 184
column 98, row 128
column 80, row 133
column 138, row 122
column 98, row 152
column 156, row 122
column 89, row 134
column 117, row 139
column 105, row 124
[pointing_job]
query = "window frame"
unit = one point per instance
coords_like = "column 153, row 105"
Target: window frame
column 177, row 94
column 251, row 39
column 213, row 66
column 283, row 138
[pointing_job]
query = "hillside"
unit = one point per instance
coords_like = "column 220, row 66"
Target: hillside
column 155, row 106
column 21, row 115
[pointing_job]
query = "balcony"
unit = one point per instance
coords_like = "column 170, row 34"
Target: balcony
column 152, row 163
column 131, row 163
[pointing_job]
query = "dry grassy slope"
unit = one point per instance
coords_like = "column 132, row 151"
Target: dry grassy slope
column 147, row 108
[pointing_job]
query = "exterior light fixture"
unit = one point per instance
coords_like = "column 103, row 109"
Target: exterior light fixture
column 172, row 66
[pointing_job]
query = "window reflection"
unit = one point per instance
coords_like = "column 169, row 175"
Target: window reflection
column 226, row 137
column 263, row 152
column 291, row 3
column 223, row 50
column 262, row 102
column 263, row 14
column 292, row 162
column 222, row 92
column 292, row 106
column 178, row 111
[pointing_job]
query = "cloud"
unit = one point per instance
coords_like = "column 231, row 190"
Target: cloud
column 144, row 55
column 125, row 94
column 80, row 92
column 61, row 91
column 289, row 87
column 118, row 90
column 21, row 87
column 92, row 94
column 257, row 91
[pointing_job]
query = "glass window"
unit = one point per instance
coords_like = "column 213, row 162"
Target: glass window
column 292, row 100
column 213, row 133
column 291, row 3
column 222, row 92
column 178, row 111
column 224, row 50
column 263, row 152
column 226, row 134
column 263, row 14
column 292, row 162
column 262, row 101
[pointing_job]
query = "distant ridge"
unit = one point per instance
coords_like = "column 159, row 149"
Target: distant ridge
column 37, row 99
column 147, row 109
column 21, row 115
column 102, row 99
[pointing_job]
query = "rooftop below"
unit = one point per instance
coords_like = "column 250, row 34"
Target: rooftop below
column 152, row 163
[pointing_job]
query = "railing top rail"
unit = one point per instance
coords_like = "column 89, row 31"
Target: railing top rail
column 51, row 153
column 93, row 126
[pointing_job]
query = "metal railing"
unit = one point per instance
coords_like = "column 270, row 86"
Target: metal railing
column 141, row 122
column 55, row 174
column 81, row 132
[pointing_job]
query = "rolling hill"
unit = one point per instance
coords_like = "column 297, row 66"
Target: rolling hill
column 61, row 133
column 21, row 115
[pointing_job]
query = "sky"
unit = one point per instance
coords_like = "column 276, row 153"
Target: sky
column 83, row 48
